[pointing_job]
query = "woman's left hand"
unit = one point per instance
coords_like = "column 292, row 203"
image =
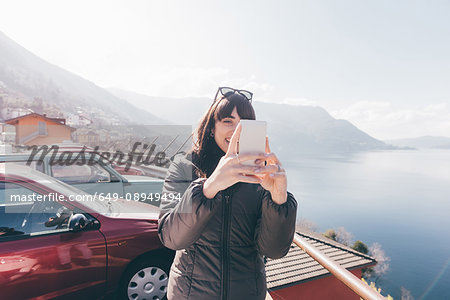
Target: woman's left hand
column 274, row 177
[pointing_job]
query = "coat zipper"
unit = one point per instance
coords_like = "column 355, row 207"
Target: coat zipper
column 225, row 246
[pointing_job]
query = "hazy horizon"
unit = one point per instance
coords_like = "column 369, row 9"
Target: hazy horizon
column 207, row 98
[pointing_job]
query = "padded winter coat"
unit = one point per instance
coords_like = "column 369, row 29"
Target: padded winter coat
column 221, row 242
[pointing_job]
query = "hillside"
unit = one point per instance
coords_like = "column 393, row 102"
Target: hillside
column 433, row 142
column 24, row 77
column 22, row 72
column 305, row 129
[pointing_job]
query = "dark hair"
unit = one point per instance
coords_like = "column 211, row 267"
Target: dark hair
column 206, row 153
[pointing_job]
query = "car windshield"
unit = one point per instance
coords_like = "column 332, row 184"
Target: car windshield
column 76, row 195
column 73, row 194
column 33, row 164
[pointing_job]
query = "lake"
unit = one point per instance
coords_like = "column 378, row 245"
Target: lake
column 399, row 199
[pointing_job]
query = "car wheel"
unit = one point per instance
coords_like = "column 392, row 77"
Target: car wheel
column 146, row 279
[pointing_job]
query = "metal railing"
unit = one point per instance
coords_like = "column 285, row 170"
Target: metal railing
column 345, row 276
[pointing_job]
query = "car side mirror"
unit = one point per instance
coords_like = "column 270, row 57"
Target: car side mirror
column 103, row 179
column 78, row 222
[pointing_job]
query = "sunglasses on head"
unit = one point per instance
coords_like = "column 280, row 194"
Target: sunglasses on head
column 227, row 91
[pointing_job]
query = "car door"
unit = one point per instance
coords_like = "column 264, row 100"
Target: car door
column 41, row 258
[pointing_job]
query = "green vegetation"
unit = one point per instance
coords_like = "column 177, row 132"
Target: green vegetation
column 346, row 238
column 331, row 234
column 372, row 285
column 360, row 247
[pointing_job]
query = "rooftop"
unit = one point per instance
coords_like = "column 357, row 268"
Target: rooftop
column 297, row 266
column 60, row 121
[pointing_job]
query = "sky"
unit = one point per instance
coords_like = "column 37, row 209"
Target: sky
column 383, row 65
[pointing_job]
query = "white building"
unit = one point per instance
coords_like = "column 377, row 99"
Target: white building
column 7, row 138
column 76, row 120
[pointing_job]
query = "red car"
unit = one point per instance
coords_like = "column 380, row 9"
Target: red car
column 59, row 242
column 129, row 171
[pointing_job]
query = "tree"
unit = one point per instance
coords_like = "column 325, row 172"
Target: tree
column 306, row 224
column 406, row 294
column 375, row 273
column 331, row 234
column 382, row 259
column 343, row 236
column 360, row 247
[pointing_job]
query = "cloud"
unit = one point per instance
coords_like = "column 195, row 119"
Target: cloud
column 383, row 120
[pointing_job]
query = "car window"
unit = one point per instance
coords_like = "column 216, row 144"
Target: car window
column 84, row 173
column 70, row 191
column 33, row 164
column 21, row 212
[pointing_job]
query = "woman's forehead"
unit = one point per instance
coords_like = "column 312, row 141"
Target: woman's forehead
column 234, row 114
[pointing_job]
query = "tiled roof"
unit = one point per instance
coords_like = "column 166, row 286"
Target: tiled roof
column 297, row 266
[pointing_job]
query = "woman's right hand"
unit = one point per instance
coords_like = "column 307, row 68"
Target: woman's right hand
column 229, row 170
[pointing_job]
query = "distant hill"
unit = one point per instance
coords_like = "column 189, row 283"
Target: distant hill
column 294, row 129
column 22, row 71
column 435, row 142
column 185, row 111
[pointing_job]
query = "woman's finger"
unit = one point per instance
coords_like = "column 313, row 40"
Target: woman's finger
column 243, row 169
column 232, row 148
column 278, row 174
column 252, row 156
column 248, row 178
column 269, row 169
column 272, row 157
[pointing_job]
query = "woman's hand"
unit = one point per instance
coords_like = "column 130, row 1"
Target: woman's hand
column 274, row 177
column 230, row 170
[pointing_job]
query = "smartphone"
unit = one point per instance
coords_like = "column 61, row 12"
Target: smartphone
column 253, row 138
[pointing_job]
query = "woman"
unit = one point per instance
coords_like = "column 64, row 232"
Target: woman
column 222, row 217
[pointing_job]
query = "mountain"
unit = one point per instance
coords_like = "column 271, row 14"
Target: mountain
column 184, row 111
column 295, row 129
column 23, row 72
column 436, row 142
